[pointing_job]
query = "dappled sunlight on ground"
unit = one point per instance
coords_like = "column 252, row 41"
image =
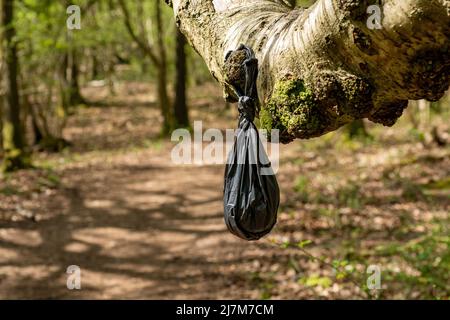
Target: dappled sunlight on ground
column 141, row 227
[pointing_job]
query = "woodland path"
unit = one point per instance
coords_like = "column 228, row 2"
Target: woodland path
column 141, row 227
column 137, row 225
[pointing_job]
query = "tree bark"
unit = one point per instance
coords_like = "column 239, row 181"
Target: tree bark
column 71, row 93
column 75, row 97
column 323, row 67
column 70, row 87
column 162, row 74
column 13, row 139
column 180, row 107
column 95, row 65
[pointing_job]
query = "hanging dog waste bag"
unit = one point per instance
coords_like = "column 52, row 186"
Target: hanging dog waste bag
column 251, row 193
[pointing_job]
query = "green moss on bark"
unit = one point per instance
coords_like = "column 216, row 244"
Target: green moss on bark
column 265, row 119
column 14, row 158
column 292, row 110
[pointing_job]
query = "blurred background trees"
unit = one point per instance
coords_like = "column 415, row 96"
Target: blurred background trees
column 44, row 65
column 13, row 140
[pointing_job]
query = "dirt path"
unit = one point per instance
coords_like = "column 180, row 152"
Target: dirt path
column 136, row 229
column 140, row 227
column 137, row 226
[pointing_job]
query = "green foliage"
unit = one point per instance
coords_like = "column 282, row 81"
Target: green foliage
column 443, row 184
column 316, row 280
column 8, row 190
column 350, row 196
column 264, row 282
column 429, row 258
column 417, row 134
column 411, row 191
column 301, row 188
column 304, row 243
column 49, row 180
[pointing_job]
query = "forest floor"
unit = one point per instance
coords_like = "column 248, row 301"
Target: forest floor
column 141, row 227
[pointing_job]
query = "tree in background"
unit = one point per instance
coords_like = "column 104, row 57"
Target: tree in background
column 180, row 103
column 357, row 130
column 46, row 82
column 15, row 156
column 420, row 113
column 70, row 87
column 157, row 56
column 55, row 63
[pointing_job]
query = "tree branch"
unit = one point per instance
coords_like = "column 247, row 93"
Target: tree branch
column 143, row 45
column 323, row 67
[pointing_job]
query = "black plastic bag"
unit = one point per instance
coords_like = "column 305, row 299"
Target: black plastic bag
column 251, row 193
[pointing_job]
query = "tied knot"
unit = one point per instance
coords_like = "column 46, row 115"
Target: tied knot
column 247, row 108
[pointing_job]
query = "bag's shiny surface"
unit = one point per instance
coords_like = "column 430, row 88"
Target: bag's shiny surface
column 251, row 193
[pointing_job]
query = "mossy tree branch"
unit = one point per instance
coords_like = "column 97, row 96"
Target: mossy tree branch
column 322, row 67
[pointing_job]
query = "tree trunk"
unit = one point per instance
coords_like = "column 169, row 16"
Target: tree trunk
column 180, row 107
column 159, row 61
column 357, row 130
column 2, row 63
column 70, row 88
column 75, row 97
column 325, row 66
column 13, row 139
column 163, row 100
column 64, row 83
column 94, row 66
column 38, row 135
column 163, row 97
